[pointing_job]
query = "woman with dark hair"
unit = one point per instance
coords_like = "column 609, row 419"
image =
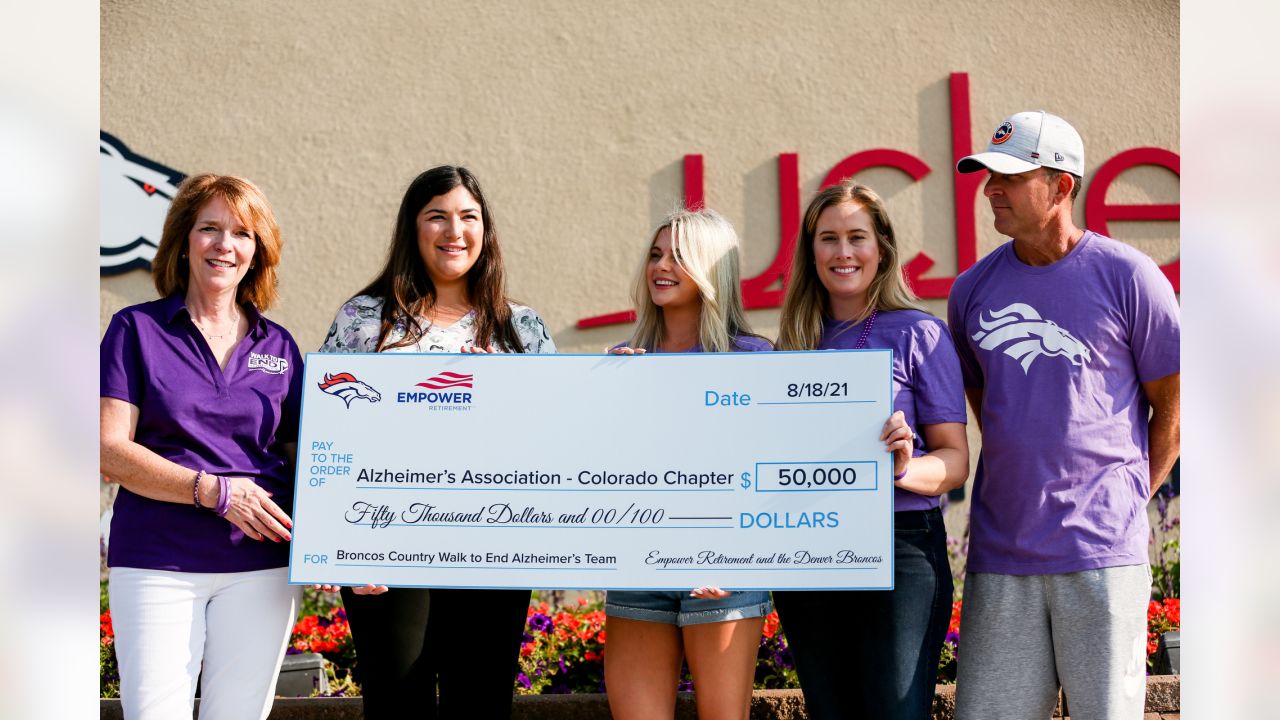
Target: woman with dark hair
column 875, row 653
column 443, row 289
column 199, row 419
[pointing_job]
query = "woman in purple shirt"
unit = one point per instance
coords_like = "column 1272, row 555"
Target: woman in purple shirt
column 690, row 301
column 875, row 653
column 199, row 418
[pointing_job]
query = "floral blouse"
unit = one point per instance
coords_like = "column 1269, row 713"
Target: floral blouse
column 355, row 330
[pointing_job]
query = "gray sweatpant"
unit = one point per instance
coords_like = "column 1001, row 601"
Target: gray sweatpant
column 1020, row 636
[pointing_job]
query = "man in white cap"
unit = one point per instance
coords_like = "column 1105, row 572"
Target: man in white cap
column 1068, row 342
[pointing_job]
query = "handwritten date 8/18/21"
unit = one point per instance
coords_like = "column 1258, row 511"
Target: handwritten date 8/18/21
column 818, row 390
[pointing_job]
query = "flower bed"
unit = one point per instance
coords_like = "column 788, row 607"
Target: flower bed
column 109, row 672
column 1162, row 616
column 328, row 633
column 563, row 650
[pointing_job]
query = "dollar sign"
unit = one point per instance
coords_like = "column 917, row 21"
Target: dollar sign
column 746, row 480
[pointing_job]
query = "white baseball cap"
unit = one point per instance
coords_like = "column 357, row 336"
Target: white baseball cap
column 1026, row 141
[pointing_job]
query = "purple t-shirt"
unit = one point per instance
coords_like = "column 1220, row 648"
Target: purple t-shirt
column 926, row 376
column 1060, row 352
column 192, row 412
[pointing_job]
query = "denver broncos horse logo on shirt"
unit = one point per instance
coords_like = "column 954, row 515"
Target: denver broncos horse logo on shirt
column 1028, row 336
column 347, row 387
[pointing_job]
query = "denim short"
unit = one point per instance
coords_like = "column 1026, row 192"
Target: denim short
column 679, row 609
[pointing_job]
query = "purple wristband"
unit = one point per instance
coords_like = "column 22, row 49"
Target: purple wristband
column 195, row 488
column 900, row 475
column 224, row 496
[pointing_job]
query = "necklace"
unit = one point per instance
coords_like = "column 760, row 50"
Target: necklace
column 235, row 327
column 866, row 330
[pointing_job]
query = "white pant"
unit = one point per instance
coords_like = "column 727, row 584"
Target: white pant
column 169, row 625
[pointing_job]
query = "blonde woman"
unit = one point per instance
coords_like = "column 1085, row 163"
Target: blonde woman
column 875, row 654
column 689, row 299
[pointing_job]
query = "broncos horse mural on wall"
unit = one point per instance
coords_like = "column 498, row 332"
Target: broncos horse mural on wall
column 1031, row 335
column 136, row 193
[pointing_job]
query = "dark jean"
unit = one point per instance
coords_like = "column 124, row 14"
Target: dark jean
column 874, row 654
column 409, row 640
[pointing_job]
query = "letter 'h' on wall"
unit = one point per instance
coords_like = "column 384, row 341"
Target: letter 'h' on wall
column 766, row 290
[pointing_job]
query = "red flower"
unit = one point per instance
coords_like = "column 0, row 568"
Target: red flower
column 1162, row 617
column 771, row 625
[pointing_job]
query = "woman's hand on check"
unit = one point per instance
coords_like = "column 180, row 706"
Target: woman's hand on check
column 710, row 593
column 359, row 590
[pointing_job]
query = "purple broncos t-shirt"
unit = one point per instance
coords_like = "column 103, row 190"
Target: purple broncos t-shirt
column 926, row 376
column 195, row 414
column 1060, row 352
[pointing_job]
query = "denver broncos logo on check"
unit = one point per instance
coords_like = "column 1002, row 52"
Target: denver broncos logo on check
column 447, row 381
column 347, row 387
column 1030, row 336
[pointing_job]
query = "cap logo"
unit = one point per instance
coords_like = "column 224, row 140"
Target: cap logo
column 1057, row 157
column 1004, row 132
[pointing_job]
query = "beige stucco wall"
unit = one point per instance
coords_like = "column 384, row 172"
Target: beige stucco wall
column 575, row 116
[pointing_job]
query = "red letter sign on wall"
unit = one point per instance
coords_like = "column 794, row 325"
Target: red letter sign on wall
column 1097, row 213
column 965, row 188
column 766, row 289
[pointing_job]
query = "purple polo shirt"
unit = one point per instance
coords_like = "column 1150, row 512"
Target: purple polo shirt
column 195, row 414
column 927, row 385
column 1060, row 353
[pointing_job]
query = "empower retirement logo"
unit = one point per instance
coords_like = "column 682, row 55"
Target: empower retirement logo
column 443, row 391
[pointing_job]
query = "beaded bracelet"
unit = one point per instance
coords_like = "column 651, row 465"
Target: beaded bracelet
column 195, row 488
column 224, row 496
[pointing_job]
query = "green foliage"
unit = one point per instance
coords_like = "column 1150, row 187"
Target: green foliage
column 1166, row 571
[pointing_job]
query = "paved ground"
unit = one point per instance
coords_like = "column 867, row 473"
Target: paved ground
column 1163, row 702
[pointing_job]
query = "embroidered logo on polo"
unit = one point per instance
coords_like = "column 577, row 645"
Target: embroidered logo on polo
column 1003, row 133
column 268, row 363
column 1024, row 336
column 347, row 387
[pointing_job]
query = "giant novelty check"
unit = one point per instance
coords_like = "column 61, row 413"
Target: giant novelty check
column 759, row 470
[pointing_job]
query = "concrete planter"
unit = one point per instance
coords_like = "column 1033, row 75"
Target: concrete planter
column 1163, row 701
